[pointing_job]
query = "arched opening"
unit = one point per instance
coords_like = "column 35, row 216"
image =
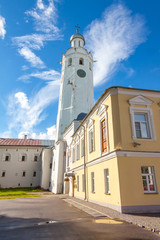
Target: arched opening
column 69, row 61
column 81, row 61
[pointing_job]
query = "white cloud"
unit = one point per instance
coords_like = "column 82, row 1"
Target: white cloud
column 44, row 16
column 112, row 39
column 49, row 134
column 26, row 112
column 50, row 75
column 2, row 27
column 31, row 57
column 22, row 99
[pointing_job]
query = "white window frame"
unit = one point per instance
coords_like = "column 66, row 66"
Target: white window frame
column 148, row 113
column 73, row 154
column 106, row 181
column 92, row 182
column 83, row 183
column 78, row 183
column 91, row 146
column 77, row 151
column 82, row 146
column 147, row 175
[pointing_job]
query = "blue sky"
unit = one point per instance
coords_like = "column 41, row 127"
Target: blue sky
column 123, row 37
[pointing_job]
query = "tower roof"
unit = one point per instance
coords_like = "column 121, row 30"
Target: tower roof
column 77, row 35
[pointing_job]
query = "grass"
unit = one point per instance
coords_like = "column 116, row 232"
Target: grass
column 18, row 192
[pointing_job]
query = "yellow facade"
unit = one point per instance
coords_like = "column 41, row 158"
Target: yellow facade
column 132, row 151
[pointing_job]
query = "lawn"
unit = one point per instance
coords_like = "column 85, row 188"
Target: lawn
column 18, row 193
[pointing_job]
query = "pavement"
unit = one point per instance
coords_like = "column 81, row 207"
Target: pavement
column 150, row 221
column 56, row 217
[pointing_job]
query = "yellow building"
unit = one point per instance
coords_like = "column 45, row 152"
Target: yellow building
column 114, row 156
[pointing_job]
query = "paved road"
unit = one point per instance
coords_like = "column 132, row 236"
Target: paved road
column 49, row 217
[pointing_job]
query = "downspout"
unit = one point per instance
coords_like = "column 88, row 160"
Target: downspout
column 85, row 193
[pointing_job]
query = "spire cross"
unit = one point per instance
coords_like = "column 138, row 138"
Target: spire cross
column 77, row 28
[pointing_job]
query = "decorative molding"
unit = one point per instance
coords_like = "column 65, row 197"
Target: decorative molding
column 102, row 109
column 140, row 100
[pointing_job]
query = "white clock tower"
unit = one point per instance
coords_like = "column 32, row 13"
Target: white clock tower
column 76, row 96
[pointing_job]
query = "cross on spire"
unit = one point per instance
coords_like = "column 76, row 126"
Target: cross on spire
column 77, row 26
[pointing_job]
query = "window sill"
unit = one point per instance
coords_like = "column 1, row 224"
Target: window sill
column 151, row 193
column 107, row 193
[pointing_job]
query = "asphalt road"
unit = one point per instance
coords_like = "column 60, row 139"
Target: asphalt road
column 49, row 217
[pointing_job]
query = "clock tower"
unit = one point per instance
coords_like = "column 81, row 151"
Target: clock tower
column 76, row 96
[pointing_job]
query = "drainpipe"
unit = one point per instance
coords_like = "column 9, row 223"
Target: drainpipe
column 85, row 193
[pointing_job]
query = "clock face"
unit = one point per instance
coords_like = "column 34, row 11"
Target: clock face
column 81, row 73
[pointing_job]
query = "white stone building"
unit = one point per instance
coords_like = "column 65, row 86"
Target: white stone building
column 25, row 162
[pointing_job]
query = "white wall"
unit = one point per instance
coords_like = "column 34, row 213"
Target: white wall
column 14, row 168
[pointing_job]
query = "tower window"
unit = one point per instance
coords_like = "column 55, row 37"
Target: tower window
column 23, row 174
column 34, row 174
column 79, row 43
column 90, row 66
column 23, row 158
column 81, row 61
column 69, row 61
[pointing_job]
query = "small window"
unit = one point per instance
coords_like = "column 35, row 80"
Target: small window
column 92, row 183
column 103, row 136
column 73, row 154
column 6, row 158
column 77, row 183
column 91, row 141
column 23, row 158
column 3, row 174
column 31, row 184
column 79, row 43
column 81, row 61
column 34, row 174
column 77, row 151
column 50, row 166
column 90, row 66
column 82, row 147
column 141, row 125
column 106, row 181
column 69, row 61
column 83, row 183
column 148, row 178
column 35, row 158
column 24, row 174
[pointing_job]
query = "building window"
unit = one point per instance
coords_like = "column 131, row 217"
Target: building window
column 77, row 151
column 83, row 183
column 34, row 174
column 148, row 178
column 69, row 61
column 92, row 183
column 24, row 174
column 82, row 147
column 50, row 165
column 90, row 66
column 103, row 136
column 35, row 158
column 23, row 158
column 141, row 125
column 91, row 141
column 6, row 158
column 106, row 181
column 77, row 183
column 73, row 154
column 81, row 61
column 3, row 174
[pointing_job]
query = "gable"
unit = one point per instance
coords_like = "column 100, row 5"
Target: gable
column 140, row 100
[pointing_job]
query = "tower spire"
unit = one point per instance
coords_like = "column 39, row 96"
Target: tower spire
column 77, row 26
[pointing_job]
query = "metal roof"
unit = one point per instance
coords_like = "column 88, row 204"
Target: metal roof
column 25, row 142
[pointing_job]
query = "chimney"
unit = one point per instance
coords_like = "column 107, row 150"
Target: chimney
column 25, row 136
